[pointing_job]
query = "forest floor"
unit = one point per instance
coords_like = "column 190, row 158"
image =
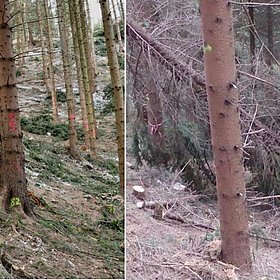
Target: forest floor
column 79, row 229
column 185, row 243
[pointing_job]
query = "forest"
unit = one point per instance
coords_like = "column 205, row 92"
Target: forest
column 62, row 139
column 202, row 139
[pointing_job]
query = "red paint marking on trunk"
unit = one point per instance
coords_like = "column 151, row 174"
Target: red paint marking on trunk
column 12, row 122
column 85, row 124
column 72, row 117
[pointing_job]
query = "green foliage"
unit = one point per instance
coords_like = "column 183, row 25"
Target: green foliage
column 121, row 61
column 100, row 46
column 98, row 31
column 110, row 165
column 18, row 73
column 216, row 234
column 43, row 124
column 108, row 96
column 144, row 149
column 110, row 219
column 183, row 141
column 60, row 97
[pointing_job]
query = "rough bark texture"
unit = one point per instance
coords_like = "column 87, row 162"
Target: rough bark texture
column 85, row 30
column 116, row 84
column 91, row 38
column 48, row 34
column 64, row 41
column 42, row 39
column 13, row 184
column 75, row 18
column 269, row 16
column 24, row 40
column 121, row 8
column 117, row 27
column 31, row 40
column 223, row 96
column 252, row 32
column 80, row 80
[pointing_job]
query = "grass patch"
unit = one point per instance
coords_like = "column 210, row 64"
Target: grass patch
column 60, row 97
column 110, row 165
column 43, row 124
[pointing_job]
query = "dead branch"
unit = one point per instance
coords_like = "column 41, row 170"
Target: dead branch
column 160, row 52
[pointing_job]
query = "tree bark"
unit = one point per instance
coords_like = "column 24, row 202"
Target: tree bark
column 42, row 40
column 252, row 33
column 64, row 41
column 50, row 62
column 116, row 84
column 117, row 27
column 217, row 27
column 85, row 30
column 13, row 183
column 270, row 45
column 75, row 18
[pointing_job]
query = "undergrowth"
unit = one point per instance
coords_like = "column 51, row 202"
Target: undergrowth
column 43, row 125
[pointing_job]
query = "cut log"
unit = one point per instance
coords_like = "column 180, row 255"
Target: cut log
column 139, row 192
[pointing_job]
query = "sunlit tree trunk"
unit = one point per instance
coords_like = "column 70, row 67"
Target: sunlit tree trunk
column 91, row 38
column 31, row 41
column 42, row 40
column 117, row 26
column 49, row 39
column 13, row 184
column 24, row 40
column 217, row 27
column 85, row 30
column 64, row 41
column 80, row 81
column 116, row 84
column 74, row 15
column 121, row 9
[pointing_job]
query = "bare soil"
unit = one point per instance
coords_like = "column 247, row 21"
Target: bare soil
column 185, row 243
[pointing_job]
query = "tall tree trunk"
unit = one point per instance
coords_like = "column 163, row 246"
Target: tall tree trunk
column 252, row 33
column 42, row 39
column 116, row 84
column 64, row 41
column 117, row 27
column 31, row 41
column 269, row 16
column 85, row 30
column 13, row 184
column 75, row 18
column 24, row 40
column 121, row 9
column 49, row 39
column 217, row 27
column 91, row 38
column 80, row 80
